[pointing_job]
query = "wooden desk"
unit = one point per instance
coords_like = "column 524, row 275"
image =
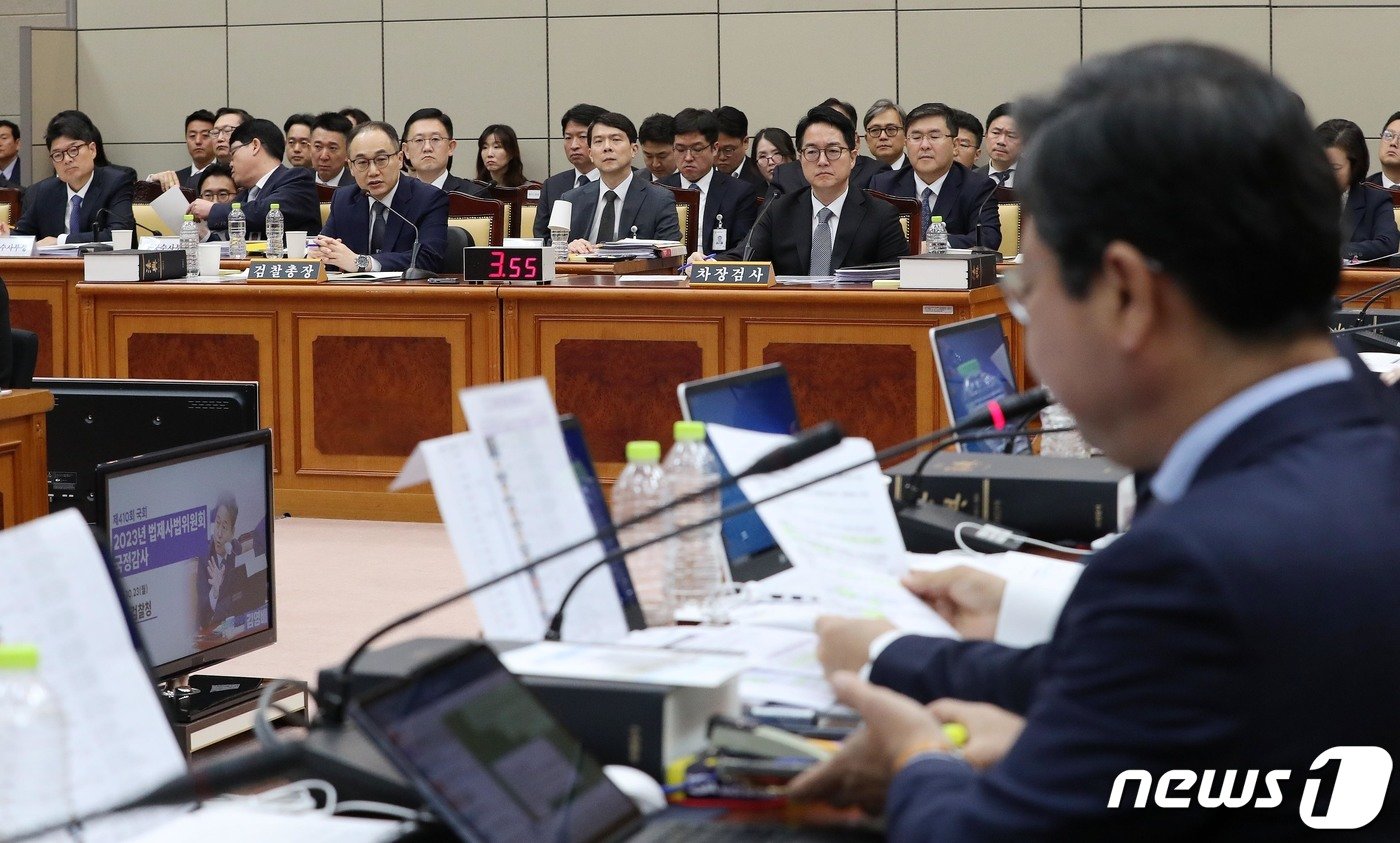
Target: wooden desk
column 352, row 376
column 24, row 456
column 44, row 299
column 1356, row 280
column 613, row 354
column 649, row 266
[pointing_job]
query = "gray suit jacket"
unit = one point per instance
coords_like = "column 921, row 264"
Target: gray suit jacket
column 650, row 208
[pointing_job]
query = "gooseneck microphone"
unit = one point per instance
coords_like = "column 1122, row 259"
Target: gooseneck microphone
column 413, row 273
column 977, row 229
column 808, row 443
column 774, row 191
column 994, row 414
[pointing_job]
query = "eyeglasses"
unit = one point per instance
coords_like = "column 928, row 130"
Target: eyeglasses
column 812, row 153
column 693, row 149
column 222, row 131
column 932, row 137
column 232, row 150
column 217, row 195
column 361, row 165
column 71, row 153
column 1389, row 136
column 889, row 130
column 772, row 156
column 727, row 150
column 432, row 140
column 965, row 143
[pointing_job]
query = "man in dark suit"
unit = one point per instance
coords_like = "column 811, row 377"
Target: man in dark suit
column 428, row 144
column 11, row 171
column 362, row 234
column 657, row 135
column 727, row 202
column 330, row 144
column 1388, row 176
column 199, row 142
column 297, row 130
column 819, row 229
column 630, row 206
column 223, row 579
column 226, row 119
column 732, row 147
column 944, row 187
column 83, row 202
column 1183, row 646
column 1003, row 146
column 256, row 160
column 790, row 178
column 574, row 126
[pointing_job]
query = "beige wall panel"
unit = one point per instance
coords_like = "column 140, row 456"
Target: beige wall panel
column 1191, row 3
column 1047, row 44
column 142, row 14
column 110, row 61
column 1019, row 5
column 9, row 57
column 644, row 74
column 803, row 5
column 54, row 88
column 1245, row 31
column 454, row 9
column 302, row 11
column 775, row 80
column 588, row 8
column 35, row 7
column 303, row 79
column 480, row 72
column 146, row 158
column 1315, row 51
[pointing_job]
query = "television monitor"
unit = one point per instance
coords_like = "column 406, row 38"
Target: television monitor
column 754, row 399
column 974, row 367
column 95, row 421
column 190, row 535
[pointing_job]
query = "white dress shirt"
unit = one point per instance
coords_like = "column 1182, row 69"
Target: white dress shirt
column 835, row 207
column 388, row 201
column 68, row 207
column 704, row 185
column 621, row 191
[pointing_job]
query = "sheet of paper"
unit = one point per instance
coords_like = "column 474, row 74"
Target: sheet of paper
column 59, row 595
column 1380, row 362
column 783, row 650
column 234, row 823
column 521, row 428
column 171, row 206
column 757, row 687
column 614, row 663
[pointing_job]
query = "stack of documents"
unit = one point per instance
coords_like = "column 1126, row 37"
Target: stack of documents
column 635, row 249
column 873, row 272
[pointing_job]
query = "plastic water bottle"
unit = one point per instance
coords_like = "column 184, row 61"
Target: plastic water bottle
column 237, row 233
column 275, row 230
column 189, row 241
column 699, row 574
column 641, row 488
column 936, row 237
column 34, row 778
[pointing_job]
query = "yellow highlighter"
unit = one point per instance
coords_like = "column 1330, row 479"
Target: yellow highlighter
column 956, row 733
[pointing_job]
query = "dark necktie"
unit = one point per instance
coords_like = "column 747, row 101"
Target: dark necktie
column 1003, row 177
column 75, row 208
column 695, row 185
column 821, row 244
column 926, row 198
column 582, row 180
column 376, row 234
column 253, row 192
column 607, row 226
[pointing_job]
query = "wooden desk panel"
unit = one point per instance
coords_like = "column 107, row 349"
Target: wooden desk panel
column 352, row 376
column 24, row 460
column 1355, row 281
column 44, row 299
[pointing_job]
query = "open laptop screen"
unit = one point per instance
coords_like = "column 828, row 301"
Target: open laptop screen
column 974, row 367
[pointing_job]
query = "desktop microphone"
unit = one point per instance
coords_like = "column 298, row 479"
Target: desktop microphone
column 977, row 229
column 808, row 443
column 774, row 191
column 95, row 229
column 413, row 273
column 994, row 414
column 148, row 229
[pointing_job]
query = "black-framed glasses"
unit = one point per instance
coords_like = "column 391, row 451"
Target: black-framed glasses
column 70, row 153
column 812, row 153
column 693, row 149
column 380, row 162
column 217, row 195
column 888, row 131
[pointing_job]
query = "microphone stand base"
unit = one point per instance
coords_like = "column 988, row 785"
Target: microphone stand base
column 413, row 273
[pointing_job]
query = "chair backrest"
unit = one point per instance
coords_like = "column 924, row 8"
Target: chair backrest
column 325, row 213
column 324, row 192
column 11, row 202
column 147, row 217
column 527, row 219
column 513, row 198
column 911, row 218
column 688, row 212
column 458, row 238
column 25, row 348
column 1010, row 213
column 484, row 218
column 145, row 192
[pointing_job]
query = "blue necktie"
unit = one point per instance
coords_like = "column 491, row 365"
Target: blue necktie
column 927, row 197
column 75, row 207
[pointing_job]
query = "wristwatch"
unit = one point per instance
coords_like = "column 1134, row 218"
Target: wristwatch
column 362, row 263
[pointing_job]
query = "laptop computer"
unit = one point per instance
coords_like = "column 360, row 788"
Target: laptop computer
column 754, row 399
column 974, row 366
column 494, row 765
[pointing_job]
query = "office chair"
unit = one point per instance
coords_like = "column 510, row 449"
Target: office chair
column 25, row 346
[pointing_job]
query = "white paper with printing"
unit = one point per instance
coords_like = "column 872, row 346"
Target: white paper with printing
column 171, row 206
column 614, row 663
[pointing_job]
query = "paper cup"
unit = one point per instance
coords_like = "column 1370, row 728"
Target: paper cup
column 121, row 238
column 296, row 244
column 209, row 259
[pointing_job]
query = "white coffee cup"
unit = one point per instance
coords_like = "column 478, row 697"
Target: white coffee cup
column 296, row 244
column 121, row 238
column 209, row 259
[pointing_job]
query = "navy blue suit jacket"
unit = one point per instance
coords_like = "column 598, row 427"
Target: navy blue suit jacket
column 424, row 204
column 962, row 194
column 456, row 184
column 553, row 188
column 650, row 208
column 46, row 207
column 1250, row 625
column 292, row 188
column 867, row 232
column 1368, row 227
column 730, row 197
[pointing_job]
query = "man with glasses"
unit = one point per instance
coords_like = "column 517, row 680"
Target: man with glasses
column 1388, row 176
column 732, row 147
column 817, row 230
column 884, row 133
column 297, row 129
column 199, row 142
column 574, row 128
column 330, row 142
column 1003, row 147
column 255, row 158
column 620, row 204
column 725, row 203
column 225, row 121
column 362, row 234
column 943, row 187
column 428, row 143
column 967, row 144
column 790, row 177
column 216, row 184
column 82, row 202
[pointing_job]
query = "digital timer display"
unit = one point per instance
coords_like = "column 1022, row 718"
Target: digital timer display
column 506, row 265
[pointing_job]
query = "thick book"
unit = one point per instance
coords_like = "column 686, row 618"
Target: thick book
column 952, row 271
column 1051, row 498
column 128, row 265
